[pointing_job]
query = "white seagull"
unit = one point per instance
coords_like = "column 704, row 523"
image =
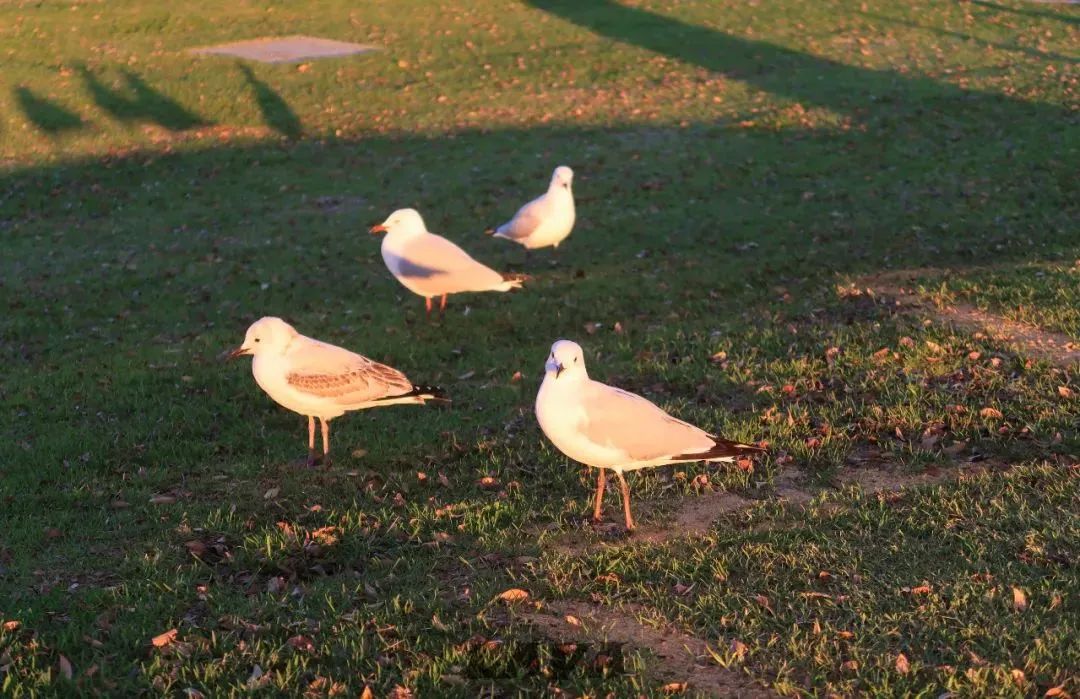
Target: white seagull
column 429, row 265
column 608, row 428
column 546, row 220
column 321, row 380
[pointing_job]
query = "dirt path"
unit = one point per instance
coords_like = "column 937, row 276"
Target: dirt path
column 677, row 657
column 900, row 287
column 696, row 515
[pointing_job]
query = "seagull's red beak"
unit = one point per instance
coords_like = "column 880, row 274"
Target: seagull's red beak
column 233, row 354
column 377, row 229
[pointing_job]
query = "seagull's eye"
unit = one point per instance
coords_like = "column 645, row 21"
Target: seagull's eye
column 257, row 339
column 575, row 360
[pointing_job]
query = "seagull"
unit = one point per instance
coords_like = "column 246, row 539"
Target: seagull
column 430, row 265
column 320, row 380
column 546, row 220
column 608, row 428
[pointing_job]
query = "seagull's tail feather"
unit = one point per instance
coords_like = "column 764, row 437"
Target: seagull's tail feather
column 723, row 449
column 420, row 394
column 513, row 280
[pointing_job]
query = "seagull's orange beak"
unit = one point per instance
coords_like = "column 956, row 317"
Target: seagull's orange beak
column 233, row 354
column 377, row 229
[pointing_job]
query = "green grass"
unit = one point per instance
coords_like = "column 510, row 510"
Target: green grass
column 734, row 161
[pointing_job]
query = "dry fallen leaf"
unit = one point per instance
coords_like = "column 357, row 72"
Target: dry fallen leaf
column 902, row 665
column 1018, row 677
column 162, row 500
column 488, row 482
column 367, row 693
column 992, row 413
column 850, row 665
column 1065, row 392
column 737, row 648
column 302, row 644
column 572, row 620
column 674, row 688
column 271, row 493
column 514, row 594
column 1020, row 602
column 65, row 667
column 164, row 639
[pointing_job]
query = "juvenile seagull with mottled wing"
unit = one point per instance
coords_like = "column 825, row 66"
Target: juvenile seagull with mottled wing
column 320, row 380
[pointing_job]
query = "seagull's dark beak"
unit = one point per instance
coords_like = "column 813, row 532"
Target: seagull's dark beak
column 559, row 369
column 233, row 354
column 377, row 229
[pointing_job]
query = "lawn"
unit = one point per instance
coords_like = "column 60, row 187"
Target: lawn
column 737, row 164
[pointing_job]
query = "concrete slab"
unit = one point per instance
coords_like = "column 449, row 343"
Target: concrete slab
column 286, row 49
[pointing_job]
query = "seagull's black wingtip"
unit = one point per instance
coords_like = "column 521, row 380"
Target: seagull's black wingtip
column 725, row 449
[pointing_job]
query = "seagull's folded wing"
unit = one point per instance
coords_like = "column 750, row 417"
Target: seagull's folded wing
column 446, row 268
column 345, row 377
column 526, row 220
column 637, row 427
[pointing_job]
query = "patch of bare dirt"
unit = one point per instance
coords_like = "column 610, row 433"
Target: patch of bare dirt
column 901, row 287
column 677, row 656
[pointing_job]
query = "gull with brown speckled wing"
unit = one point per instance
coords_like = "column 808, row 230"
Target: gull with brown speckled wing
column 320, row 380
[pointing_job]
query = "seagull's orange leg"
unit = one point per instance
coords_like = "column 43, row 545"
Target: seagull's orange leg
column 600, row 481
column 442, row 305
column 312, row 459
column 326, row 441
column 427, row 305
column 626, row 501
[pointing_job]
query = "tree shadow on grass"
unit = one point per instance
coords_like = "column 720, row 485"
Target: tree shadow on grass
column 45, row 114
column 137, row 101
column 276, row 112
column 1014, row 47
column 1028, row 12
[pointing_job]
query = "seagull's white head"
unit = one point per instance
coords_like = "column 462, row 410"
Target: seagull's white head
column 401, row 222
column 267, row 335
column 566, row 361
column 561, row 178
